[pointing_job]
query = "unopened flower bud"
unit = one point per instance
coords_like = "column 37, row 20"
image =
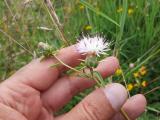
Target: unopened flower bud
column 131, row 65
column 43, row 45
column 91, row 61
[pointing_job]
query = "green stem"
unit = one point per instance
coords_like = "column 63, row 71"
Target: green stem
column 56, row 21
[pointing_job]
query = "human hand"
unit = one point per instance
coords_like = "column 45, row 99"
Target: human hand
column 36, row 91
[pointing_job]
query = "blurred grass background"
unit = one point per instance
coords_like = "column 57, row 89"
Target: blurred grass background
column 132, row 25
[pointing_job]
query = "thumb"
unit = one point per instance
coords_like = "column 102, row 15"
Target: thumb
column 102, row 104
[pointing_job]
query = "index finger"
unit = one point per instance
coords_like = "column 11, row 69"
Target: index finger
column 39, row 75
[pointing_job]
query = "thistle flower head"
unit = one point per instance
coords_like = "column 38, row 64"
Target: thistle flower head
column 93, row 45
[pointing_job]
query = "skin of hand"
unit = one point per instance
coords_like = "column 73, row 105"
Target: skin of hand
column 36, row 91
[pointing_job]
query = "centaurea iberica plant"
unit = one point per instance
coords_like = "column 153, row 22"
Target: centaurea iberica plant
column 93, row 47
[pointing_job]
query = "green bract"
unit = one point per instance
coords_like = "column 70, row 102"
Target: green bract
column 91, row 62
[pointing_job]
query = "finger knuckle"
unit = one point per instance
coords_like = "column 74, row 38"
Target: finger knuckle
column 90, row 111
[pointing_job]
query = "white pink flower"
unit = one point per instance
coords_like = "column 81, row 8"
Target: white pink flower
column 95, row 44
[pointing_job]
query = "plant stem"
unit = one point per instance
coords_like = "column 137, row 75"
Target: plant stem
column 124, row 114
column 116, row 50
column 56, row 21
column 154, row 89
column 11, row 38
column 66, row 64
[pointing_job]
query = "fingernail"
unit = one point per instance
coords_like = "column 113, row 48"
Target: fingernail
column 116, row 94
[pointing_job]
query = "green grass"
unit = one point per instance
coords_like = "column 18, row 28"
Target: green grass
column 135, row 36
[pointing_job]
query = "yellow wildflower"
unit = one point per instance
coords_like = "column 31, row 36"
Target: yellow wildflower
column 136, row 74
column 81, row 7
column 88, row 27
column 118, row 72
column 143, row 70
column 144, row 83
column 130, row 11
column 120, row 9
column 130, row 86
